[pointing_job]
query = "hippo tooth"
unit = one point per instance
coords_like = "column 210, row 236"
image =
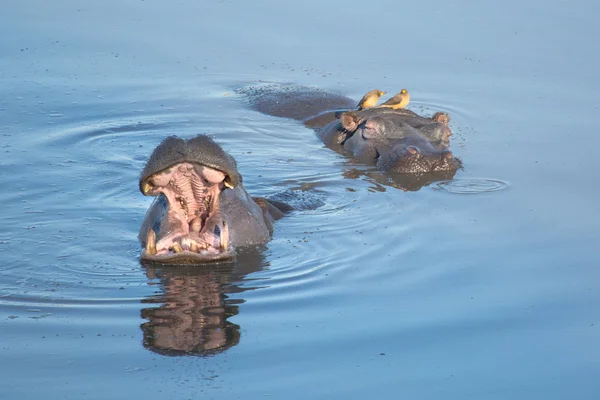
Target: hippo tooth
column 194, row 246
column 227, row 184
column 177, row 248
column 151, row 242
column 146, row 187
column 224, row 237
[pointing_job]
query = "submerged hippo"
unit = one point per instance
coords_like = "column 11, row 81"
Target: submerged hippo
column 202, row 211
column 397, row 140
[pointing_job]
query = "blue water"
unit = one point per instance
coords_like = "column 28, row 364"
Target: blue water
column 446, row 292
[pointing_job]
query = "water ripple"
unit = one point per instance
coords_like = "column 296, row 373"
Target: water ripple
column 472, row 185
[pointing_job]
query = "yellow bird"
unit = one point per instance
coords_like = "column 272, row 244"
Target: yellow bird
column 400, row 100
column 370, row 99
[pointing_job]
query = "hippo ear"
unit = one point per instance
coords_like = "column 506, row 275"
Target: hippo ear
column 349, row 121
column 441, row 117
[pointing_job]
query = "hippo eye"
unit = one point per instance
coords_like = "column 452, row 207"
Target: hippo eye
column 412, row 151
column 370, row 130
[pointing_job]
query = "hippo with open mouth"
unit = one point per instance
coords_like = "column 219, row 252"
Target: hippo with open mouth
column 202, row 211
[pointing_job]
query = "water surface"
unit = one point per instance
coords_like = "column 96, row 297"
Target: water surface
column 420, row 294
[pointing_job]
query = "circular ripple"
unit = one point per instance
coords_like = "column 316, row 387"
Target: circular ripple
column 472, row 186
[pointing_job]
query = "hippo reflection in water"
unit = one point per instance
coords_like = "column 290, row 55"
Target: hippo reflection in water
column 412, row 149
column 188, row 313
column 202, row 211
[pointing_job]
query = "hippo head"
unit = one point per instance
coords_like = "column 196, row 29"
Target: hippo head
column 189, row 223
column 398, row 140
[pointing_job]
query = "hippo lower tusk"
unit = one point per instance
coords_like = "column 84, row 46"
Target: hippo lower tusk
column 194, row 246
column 224, row 236
column 151, row 242
column 177, row 248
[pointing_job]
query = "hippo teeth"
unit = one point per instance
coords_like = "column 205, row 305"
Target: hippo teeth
column 192, row 245
column 177, row 247
column 186, row 243
column 224, row 236
column 146, row 187
column 151, row 242
column 193, row 222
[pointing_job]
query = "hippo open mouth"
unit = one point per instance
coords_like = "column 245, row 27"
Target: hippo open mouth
column 202, row 213
column 193, row 223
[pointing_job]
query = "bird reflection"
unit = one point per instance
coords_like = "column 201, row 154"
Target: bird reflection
column 190, row 314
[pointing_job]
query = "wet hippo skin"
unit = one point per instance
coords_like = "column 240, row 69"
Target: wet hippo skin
column 202, row 212
column 398, row 141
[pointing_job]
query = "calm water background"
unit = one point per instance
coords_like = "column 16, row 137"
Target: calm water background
column 419, row 295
